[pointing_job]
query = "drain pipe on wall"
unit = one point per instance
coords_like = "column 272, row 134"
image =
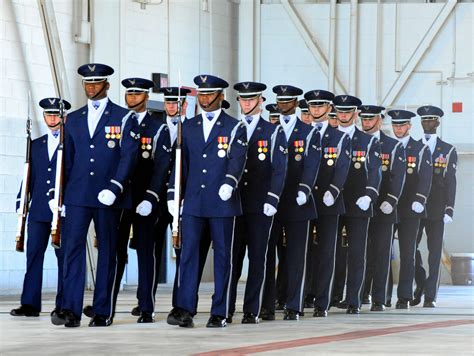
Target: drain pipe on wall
column 353, row 48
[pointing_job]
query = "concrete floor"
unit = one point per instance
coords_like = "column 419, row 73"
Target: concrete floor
column 448, row 329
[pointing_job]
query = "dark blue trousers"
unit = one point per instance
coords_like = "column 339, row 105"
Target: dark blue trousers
column 36, row 244
column 434, row 233
column 379, row 253
column 203, row 251
column 357, row 229
column 407, row 234
column 324, row 259
column 222, row 235
column 77, row 221
column 122, row 250
column 340, row 268
column 149, row 257
column 297, row 234
column 252, row 233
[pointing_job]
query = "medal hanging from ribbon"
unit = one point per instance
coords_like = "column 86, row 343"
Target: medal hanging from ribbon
column 222, row 145
column 440, row 163
column 299, row 148
column 385, row 161
column 411, row 163
column 262, row 149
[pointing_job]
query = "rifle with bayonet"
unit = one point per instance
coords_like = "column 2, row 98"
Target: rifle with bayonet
column 178, row 170
column 58, row 183
column 25, row 188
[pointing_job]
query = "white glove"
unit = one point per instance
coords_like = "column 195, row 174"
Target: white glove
column 144, row 208
column 386, row 207
column 53, row 203
column 225, row 192
column 447, row 219
column 301, row 198
column 364, row 202
column 328, row 199
column 269, row 210
column 63, row 211
column 106, row 197
column 417, row 207
column 171, row 207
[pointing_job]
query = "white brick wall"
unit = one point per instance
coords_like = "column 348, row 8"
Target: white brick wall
column 24, row 65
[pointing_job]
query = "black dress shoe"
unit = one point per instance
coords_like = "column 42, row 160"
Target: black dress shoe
column 136, row 311
column 377, row 307
column 172, row 316
column 100, row 321
column 229, row 319
column 367, row 299
column 146, row 318
column 58, row 317
column 267, row 315
column 429, row 303
column 388, row 303
column 291, row 315
column 250, row 318
column 279, row 305
column 88, row 311
column 71, row 320
column 342, row 305
column 309, row 301
column 416, row 296
column 402, row 304
column 24, row 310
column 335, row 301
column 216, row 321
column 352, row 309
column 181, row 318
column 320, row 312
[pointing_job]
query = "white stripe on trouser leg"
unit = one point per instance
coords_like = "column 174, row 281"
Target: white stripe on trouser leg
column 304, row 268
column 439, row 267
column 365, row 264
column 262, row 287
column 388, row 267
column 154, row 277
column 333, row 266
column 113, row 288
column 230, row 272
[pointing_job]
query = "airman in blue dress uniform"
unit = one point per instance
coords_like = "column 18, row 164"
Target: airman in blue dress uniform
column 172, row 97
column 273, row 113
column 412, row 203
column 214, row 155
column 360, row 193
column 101, row 146
column 42, row 179
column 379, row 243
column 335, row 162
column 296, row 207
column 260, row 190
column 439, row 208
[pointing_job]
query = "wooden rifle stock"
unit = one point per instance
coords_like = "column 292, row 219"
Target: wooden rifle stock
column 25, row 191
column 58, row 185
